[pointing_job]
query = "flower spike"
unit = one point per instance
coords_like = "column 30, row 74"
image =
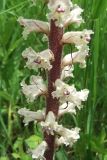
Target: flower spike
column 61, row 98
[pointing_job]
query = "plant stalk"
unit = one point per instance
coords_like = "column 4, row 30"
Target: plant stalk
column 56, row 47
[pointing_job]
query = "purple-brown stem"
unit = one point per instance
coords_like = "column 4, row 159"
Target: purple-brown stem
column 55, row 46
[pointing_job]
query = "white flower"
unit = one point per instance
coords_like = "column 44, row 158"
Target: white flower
column 38, row 153
column 33, row 25
column 67, row 108
column 76, row 57
column 77, row 37
column 68, row 136
column 49, row 123
column 64, row 12
column 67, row 72
column 60, row 9
column 30, row 116
column 74, row 16
column 66, row 93
column 38, row 60
column 83, row 94
column 36, row 88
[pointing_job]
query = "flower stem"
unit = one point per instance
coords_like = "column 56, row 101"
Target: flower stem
column 55, row 46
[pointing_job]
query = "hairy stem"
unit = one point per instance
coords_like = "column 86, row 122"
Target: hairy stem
column 55, row 37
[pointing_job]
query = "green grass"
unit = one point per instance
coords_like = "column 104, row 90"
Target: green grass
column 92, row 119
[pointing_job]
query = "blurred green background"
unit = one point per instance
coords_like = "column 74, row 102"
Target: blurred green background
column 92, row 119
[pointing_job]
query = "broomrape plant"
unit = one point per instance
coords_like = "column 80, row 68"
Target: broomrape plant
column 61, row 98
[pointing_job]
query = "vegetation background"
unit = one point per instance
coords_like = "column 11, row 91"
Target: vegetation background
column 92, row 119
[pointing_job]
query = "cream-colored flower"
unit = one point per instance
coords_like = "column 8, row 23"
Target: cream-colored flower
column 67, row 72
column 67, row 108
column 77, row 37
column 59, row 10
column 66, row 93
column 68, row 136
column 36, row 88
column 38, row 153
column 30, row 116
column 64, row 12
column 38, row 60
column 31, row 25
column 76, row 57
column 48, row 124
column 74, row 16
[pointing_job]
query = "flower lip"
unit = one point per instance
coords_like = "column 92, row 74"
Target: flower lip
column 38, row 61
column 60, row 9
column 88, row 39
column 66, row 93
